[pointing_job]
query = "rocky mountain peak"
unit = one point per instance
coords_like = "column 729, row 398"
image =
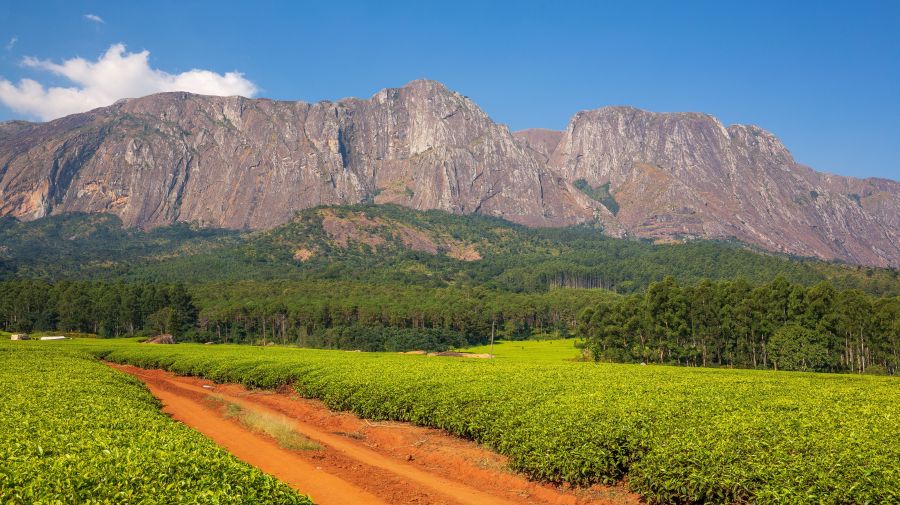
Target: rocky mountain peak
column 684, row 175
column 251, row 163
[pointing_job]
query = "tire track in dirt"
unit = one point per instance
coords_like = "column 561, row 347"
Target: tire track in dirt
column 360, row 462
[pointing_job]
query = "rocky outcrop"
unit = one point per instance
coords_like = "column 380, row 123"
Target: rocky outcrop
column 163, row 338
column 240, row 163
column 685, row 175
column 356, row 228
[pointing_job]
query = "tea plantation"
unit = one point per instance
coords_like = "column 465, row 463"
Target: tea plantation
column 676, row 435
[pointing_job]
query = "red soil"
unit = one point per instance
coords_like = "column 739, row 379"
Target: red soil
column 360, row 462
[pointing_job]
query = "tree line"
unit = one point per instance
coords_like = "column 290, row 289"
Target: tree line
column 776, row 325
column 779, row 325
column 102, row 308
column 325, row 314
column 347, row 314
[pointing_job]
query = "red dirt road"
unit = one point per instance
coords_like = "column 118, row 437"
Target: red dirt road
column 360, row 462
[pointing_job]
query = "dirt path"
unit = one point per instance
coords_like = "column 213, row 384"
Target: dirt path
column 360, row 462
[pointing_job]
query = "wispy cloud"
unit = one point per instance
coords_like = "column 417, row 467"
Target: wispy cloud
column 116, row 74
column 95, row 18
column 11, row 43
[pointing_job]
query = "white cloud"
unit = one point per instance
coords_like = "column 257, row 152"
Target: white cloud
column 116, row 74
column 11, row 43
column 95, row 18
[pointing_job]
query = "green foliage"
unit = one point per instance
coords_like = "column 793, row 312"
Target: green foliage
column 709, row 324
column 377, row 293
column 794, row 347
column 600, row 193
column 87, row 245
column 678, row 435
column 390, row 339
column 514, row 258
column 554, row 350
column 777, row 324
column 107, row 309
column 75, row 431
column 333, row 314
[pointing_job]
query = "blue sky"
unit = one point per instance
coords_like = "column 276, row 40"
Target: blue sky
column 823, row 76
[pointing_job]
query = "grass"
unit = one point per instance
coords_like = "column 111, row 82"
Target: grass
column 531, row 350
column 277, row 427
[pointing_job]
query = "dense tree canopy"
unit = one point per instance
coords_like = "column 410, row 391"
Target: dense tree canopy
column 731, row 323
column 106, row 309
column 778, row 325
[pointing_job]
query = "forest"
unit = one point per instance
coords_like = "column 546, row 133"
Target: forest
column 774, row 325
column 101, row 308
column 779, row 325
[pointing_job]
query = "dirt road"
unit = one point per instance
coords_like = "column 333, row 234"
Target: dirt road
column 359, row 462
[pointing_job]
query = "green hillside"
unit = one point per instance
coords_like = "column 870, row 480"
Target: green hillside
column 392, row 244
column 91, row 245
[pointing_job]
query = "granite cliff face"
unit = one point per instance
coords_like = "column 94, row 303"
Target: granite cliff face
column 685, row 175
column 241, row 163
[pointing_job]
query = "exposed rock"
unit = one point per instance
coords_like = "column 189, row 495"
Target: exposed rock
column 240, row 163
column 164, row 338
column 304, row 254
column 685, row 175
column 464, row 252
column 357, row 228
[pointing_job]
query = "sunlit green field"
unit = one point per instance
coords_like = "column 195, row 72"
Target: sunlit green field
column 676, row 435
column 531, row 350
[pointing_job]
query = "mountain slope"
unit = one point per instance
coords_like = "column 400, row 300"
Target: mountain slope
column 391, row 245
column 541, row 140
column 96, row 245
column 251, row 164
column 676, row 175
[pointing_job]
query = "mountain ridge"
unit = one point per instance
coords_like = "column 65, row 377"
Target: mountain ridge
column 244, row 163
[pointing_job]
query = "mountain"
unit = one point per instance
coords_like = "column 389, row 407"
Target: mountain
column 244, row 163
column 687, row 175
column 91, row 246
column 239, row 163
